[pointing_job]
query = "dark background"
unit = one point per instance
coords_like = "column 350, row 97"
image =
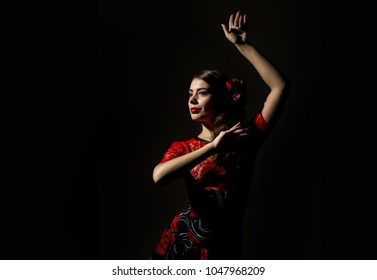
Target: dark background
column 99, row 90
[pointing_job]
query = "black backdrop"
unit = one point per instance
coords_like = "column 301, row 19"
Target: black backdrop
column 100, row 91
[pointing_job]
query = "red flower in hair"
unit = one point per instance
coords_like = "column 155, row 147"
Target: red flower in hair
column 236, row 88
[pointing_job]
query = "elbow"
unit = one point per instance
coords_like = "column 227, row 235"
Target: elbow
column 279, row 89
column 164, row 173
column 281, row 85
column 284, row 84
column 157, row 176
column 157, row 181
column 160, row 177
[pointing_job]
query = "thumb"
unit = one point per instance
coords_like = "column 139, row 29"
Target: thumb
column 224, row 29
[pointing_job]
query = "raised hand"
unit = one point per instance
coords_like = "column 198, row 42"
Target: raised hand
column 236, row 31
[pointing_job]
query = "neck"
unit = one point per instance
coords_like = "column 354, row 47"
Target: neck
column 206, row 133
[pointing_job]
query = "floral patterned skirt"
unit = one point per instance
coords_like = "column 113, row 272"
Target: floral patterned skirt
column 189, row 237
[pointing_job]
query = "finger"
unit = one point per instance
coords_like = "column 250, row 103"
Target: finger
column 224, row 29
column 244, row 24
column 236, row 126
column 239, row 19
column 242, row 20
column 241, row 131
column 233, row 128
column 243, row 134
column 231, row 22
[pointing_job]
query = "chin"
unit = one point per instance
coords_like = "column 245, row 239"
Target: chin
column 195, row 118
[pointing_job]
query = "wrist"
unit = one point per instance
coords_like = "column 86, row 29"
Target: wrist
column 242, row 45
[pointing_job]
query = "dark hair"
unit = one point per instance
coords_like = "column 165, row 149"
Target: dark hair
column 230, row 96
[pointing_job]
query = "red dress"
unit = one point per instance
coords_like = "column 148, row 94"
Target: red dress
column 211, row 225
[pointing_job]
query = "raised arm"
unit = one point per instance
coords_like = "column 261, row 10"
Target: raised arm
column 236, row 33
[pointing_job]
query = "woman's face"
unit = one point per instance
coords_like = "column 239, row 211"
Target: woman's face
column 201, row 101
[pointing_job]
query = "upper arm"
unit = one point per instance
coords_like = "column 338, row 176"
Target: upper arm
column 271, row 103
column 175, row 150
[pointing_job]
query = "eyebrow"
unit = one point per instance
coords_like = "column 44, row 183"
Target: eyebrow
column 190, row 90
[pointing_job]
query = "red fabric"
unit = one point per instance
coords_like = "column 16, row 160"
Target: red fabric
column 177, row 149
column 261, row 123
column 206, row 172
column 180, row 241
column 188, row 235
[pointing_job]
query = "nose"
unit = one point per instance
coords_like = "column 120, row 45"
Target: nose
column 193, row 99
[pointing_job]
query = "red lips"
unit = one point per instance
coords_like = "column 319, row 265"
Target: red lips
column 194, row 110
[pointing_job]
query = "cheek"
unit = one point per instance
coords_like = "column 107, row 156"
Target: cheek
column 209, row 106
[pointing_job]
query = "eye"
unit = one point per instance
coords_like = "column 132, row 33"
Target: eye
column 203, row 92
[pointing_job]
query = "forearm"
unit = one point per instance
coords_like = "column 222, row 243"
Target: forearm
column 270, row 75
column 266, row 70
column 172, row 169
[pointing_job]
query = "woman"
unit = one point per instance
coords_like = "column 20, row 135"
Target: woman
column 217, row 164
